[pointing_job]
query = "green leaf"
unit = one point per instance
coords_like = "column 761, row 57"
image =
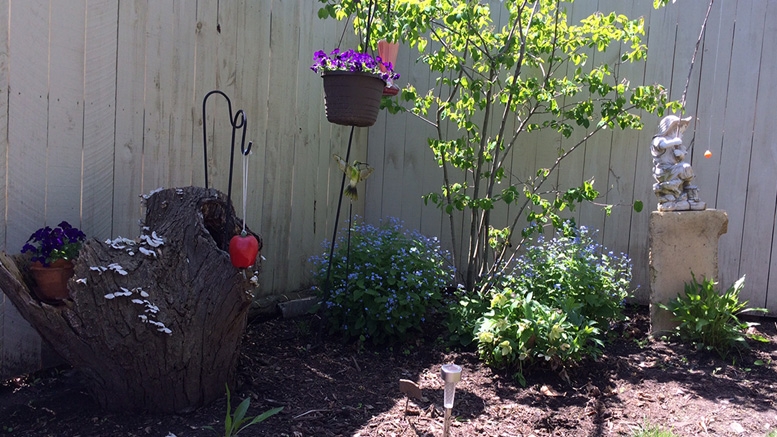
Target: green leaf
column 263, row 417
column 240, row 413
column 228, row 419
column 638, row 205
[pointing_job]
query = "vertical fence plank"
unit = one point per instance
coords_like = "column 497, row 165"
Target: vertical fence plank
column 100, row 76
column 27, row 139
column 223, row 61
column 660, row 40
column 5, row 7
column 738, row 134
column 572, row 170
column 205, row 81
column 325, row 177
column 157, row 95
column 253, row 78
column 393, row 193
column 65, row 112
column 626, row 146
column 376, row 150
column 715, row 63
column 596, row 151
column 279, row 150
column 761, row 186
column 130, row 85
column 301, row 239
column 182, row 138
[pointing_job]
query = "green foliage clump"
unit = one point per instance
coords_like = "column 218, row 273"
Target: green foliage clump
column 554, row 307
column 709, row 319
column 236, row 422
column 387, row 284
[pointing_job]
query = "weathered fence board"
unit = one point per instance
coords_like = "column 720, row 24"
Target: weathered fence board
column 738, row 138
column 4, row 92
column 100, row 85
column 26, row 163
column 762, row 191
column 130, row 114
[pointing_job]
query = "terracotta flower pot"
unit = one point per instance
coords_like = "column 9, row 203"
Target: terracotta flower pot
column 51, row 281
column 352, row 98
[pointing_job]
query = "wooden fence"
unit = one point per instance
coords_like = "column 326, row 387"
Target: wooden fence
column 100, row 101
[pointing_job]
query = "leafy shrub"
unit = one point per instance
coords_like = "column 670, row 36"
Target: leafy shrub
column 392, row 278
column 708, row 319
column 556, row 304
column 237, row 421
column 462, row 315
column 519, row 328
column 572, row 266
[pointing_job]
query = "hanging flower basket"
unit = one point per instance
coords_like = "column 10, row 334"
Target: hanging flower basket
column 352, row 98
column 353, row 85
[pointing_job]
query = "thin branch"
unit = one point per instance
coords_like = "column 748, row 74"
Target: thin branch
column 695, row 52
column 555, row 165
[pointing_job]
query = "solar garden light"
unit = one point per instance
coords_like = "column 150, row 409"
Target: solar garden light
column 451, row 374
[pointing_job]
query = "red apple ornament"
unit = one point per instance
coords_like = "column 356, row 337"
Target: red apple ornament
column 243, row 249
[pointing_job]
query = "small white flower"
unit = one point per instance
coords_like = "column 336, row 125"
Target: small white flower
column 138, row 301
column 143, row 293
column 110, row 296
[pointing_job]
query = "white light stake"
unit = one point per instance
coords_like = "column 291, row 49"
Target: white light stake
column 451, row 374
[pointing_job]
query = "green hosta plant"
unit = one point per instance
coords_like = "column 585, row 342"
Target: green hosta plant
column 556, row 304
column 384, row 280
column 520, row 329
column 500, row 73
column 709, row 319
column 236, row 422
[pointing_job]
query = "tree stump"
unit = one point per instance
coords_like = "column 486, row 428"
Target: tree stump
column 154, row 324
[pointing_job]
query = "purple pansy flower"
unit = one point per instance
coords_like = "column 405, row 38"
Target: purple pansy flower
column 49, row 245
column 352, row 61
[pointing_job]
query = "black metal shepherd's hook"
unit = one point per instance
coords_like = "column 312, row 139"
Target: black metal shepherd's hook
column 238, row 121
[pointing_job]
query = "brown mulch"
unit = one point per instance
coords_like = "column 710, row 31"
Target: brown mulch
column 328, row 388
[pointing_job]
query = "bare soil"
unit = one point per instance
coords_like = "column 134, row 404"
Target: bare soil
column 328, row 388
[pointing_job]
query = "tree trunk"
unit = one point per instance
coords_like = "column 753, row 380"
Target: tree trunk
column 154, row 324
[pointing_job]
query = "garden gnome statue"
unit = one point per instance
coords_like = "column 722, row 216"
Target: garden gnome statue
column 672, row 174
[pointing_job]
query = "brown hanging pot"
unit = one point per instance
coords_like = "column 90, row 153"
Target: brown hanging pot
column 51, row 281
column 352, row 98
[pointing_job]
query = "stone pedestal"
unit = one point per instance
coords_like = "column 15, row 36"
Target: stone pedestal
column 681, row 243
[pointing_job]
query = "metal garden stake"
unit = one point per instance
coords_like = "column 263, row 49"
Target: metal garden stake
column 451, row 374
column 238, row 122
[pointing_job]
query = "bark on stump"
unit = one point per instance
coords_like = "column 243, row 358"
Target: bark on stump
column 154, row 324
